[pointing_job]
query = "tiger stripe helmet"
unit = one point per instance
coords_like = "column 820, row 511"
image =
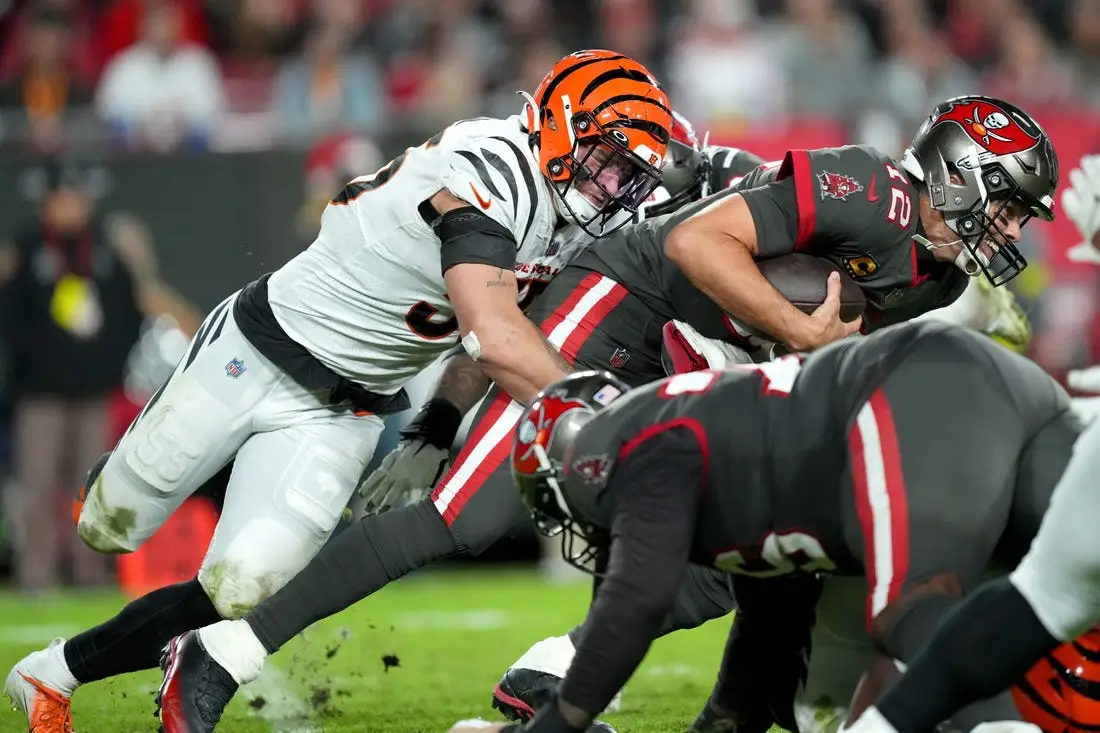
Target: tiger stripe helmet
column 1061, row 693
column 600, row 125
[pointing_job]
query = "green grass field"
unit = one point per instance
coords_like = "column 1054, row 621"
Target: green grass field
column 446, row 637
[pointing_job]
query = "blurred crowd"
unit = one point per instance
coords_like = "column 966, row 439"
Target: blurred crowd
column 345, row 84
column 233, row 74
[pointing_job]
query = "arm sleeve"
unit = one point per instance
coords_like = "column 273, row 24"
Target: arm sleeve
column 654, row 495
column 468, row 236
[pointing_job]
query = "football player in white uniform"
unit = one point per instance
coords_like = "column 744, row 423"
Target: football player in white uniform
column 691, row 171
column 290, row 376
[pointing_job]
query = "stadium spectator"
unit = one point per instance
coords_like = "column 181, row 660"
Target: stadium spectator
column 162, row 91
column 120, row 25
column 826, row 55
column 1029, row 71
column 68, row 316
column 1083, row 21
column 43, row 87
column 330, row 85
column 723, row 35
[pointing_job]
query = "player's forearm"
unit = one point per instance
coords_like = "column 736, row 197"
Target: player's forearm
column 462, row 383
column 517, row 357
column 728, row 275
column 630, row 606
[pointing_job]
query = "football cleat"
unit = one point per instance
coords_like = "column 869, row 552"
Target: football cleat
column 534, row 678
column 47, row 708
column 521, row 692
column 195, row 690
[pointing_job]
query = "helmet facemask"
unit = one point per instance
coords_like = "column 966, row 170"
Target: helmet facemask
column 560, row 503
column 602, row 183
column 994, row 199
column 553, row 517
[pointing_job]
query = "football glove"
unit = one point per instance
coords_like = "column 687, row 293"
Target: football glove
column 1086, row 408
column 685, row 350
column 1006, row 321
column 1081, row 200
column 413, row 467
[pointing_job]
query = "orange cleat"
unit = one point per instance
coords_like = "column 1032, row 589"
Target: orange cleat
column 47, row 710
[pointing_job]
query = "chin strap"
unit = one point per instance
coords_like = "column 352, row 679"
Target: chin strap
column 965, row 260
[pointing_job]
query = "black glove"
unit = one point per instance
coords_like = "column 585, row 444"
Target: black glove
column 436, row 424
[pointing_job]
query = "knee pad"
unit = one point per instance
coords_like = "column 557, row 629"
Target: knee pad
column 101, row 527
column 89, row 480
column 233, row 591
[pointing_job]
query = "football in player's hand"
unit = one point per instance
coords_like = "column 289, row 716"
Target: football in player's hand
column 801, row 278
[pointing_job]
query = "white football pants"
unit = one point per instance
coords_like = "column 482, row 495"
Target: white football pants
column 297, row 462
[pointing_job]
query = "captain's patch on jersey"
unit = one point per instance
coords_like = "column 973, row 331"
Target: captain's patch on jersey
column 862, row 266
column 837, row 186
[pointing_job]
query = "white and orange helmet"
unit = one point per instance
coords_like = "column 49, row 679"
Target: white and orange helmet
column 600, row 125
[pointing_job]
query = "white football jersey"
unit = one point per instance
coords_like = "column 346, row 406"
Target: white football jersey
column 368, row 298
column 566, row 244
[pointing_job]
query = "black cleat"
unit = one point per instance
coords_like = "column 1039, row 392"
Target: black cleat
column 521, row 692
column 195, row 690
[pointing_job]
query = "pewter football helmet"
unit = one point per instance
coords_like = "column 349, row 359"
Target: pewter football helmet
column 976, row 154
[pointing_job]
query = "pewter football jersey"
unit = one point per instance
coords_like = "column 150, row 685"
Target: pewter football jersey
column 368, row 298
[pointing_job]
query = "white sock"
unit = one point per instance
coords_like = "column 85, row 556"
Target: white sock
column 552, row 656
column 235, row 647
column 872, row 721
column 59, row 677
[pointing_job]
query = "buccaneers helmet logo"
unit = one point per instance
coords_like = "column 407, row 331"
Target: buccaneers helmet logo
column 837, row 186
column 537, row 428
column 990, row 126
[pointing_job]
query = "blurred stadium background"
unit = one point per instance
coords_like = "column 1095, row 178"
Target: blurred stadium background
column 198, row 140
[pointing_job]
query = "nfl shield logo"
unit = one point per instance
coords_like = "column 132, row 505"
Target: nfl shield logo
column 235, row 368
column 619, row 358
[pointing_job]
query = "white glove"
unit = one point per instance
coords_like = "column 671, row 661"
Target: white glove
column 412, row 468
column 684, row 349
column 1084, row 380
column 1081, row 200
column 1085, row 408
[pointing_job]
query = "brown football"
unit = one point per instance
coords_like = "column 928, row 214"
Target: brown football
column 801, row 278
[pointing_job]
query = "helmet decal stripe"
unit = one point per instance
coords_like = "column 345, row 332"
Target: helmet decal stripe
column 627, row 98
column 615, row 73
column 546, row 95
